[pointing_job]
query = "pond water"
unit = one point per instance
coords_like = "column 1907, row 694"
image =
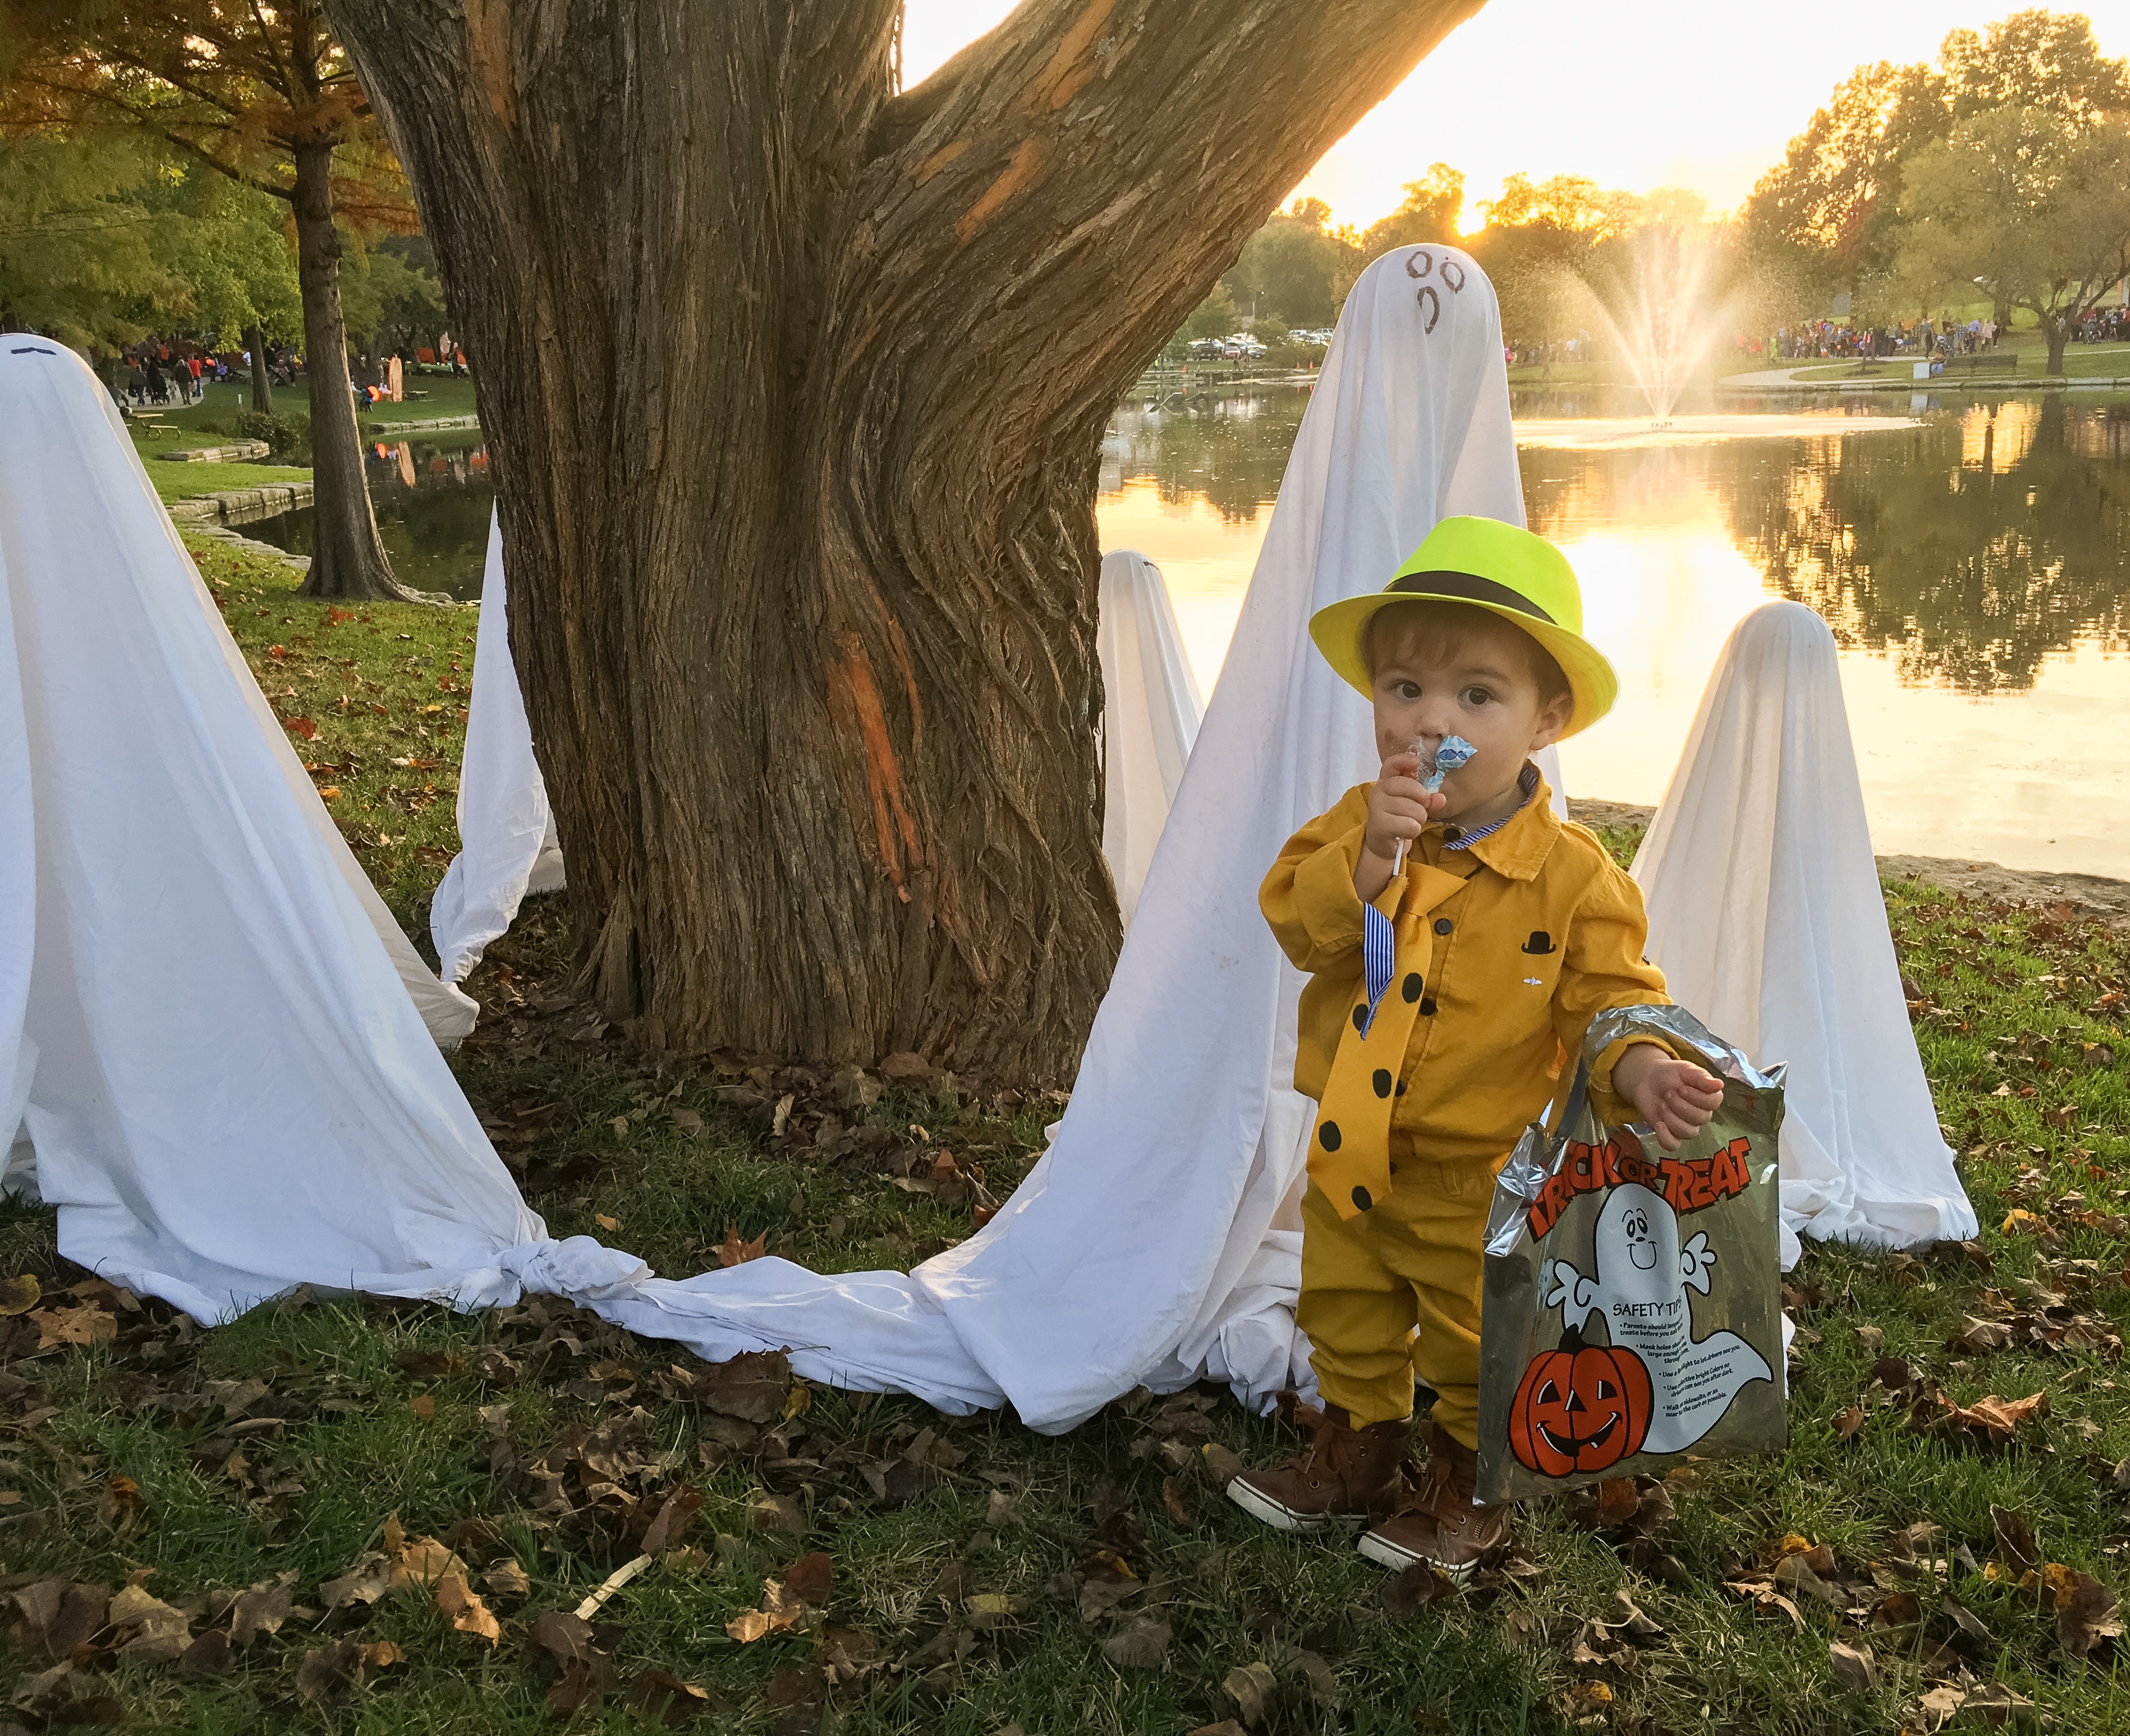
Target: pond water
column 1973, row 558
column 432, row 499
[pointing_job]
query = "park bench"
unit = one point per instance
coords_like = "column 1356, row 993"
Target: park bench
column 2006, row 363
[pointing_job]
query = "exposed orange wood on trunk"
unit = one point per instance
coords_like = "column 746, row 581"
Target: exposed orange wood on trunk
column 938, row 160
column 1025, row 167
column 488, row 42
column 853, row 684
column 1071, row 65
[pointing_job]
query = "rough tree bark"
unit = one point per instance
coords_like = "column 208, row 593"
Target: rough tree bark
column 794, row 386
column 348, row 560
column 262, row 383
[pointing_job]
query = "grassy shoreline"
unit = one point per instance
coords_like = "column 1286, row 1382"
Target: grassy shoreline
column 972, row 1579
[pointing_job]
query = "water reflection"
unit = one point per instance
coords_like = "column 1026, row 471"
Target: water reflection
column 1974, row 563
column 1971, row 550
column 432, row 499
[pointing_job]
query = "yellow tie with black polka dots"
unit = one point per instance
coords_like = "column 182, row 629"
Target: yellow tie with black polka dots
column 1350, row 1154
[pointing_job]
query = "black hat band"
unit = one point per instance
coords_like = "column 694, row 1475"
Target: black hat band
column 1470, row 588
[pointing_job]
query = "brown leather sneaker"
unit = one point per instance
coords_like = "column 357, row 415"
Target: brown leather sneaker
column 1437, row 1522
column 1348, row 1474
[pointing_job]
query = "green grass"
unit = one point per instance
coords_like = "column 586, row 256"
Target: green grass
column 189, row 481
column 384, row 688
column 448, row 397
column 599, row 1131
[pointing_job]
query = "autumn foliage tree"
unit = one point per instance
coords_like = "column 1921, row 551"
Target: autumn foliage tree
column 1834, row 205
column 795, row 383
column 262, row 93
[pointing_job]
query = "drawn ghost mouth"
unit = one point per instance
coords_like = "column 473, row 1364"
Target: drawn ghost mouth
column 1643, row 1255
column 1568, row 1448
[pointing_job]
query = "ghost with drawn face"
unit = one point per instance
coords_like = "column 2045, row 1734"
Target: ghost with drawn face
column 1640, row 1289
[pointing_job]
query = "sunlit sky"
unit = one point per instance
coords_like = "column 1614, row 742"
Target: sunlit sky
column 1657, row 93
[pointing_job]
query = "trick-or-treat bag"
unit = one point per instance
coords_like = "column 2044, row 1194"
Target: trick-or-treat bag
column 1633, row 1312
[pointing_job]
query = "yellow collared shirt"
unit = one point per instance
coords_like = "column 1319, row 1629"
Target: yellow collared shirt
column 1546, row 933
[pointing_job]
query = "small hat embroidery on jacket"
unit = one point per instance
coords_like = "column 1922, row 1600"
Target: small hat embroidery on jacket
column 1540, row 942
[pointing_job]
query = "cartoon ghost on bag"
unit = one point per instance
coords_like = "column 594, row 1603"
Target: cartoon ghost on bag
column 1582, row 1408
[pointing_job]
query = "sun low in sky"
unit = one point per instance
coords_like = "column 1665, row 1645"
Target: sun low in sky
column 1657, row 93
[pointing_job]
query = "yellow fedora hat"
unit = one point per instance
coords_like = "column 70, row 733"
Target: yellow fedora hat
column 1501, row 568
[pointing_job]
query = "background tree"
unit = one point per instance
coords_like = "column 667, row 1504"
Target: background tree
column 1831, row 213
column 794, row 384
column 1288, row 270
column 2031, row 207
column 263, row 94
column 82, row 255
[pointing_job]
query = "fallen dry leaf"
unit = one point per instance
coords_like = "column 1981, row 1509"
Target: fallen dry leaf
column 1224, row 1465
column 119, row 1507
column 366, row 1581
column 83, row 1324
column 733, row 1252
column 423, row 1406
column 606, row 1222
column 2086, row 1610
column 19, row 1295
column 151, row 1631
column 507, row 1579
column 1251, row 1686
column 1414, row 1589
column 768, row 1512
column 424, row 1562
column 664, row 1700
column 780, row 1613
column 468, row 1613
column 670, row 1524
column 327, row 1671
column 1846, row 1424
column 1853, row 1666
column 2016, row 1546
column 1142, row 1643
column 808, row 1579
column 261, row 1609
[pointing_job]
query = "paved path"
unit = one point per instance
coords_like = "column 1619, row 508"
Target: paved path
column 1778, row 379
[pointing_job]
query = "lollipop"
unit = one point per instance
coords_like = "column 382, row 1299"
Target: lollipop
column 1452, row 752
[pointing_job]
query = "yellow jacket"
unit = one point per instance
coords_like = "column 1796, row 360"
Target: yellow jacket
column 1546, row 933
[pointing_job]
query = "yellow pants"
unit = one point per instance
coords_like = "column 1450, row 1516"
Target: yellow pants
column 1415, row 1260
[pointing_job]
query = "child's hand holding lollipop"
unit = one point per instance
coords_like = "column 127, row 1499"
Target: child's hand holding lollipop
column 1405, row 798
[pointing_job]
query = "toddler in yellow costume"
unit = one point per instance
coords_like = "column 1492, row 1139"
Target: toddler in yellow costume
column 1459, row 941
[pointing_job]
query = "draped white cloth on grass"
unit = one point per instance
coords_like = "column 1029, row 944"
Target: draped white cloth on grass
column 229, row 1093
column 1767, row 919
column 508, row 845
column 227, row 1088
column 1150, row 715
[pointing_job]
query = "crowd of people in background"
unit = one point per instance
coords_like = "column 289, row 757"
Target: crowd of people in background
column 160, row 371
column 1833, row 339
column 172, row 371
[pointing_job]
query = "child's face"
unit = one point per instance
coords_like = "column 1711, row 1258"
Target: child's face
column 1478, row 682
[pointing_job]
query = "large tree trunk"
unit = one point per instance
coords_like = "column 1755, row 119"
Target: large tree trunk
column 347, row 560
column 795, row 387
column 262, row 384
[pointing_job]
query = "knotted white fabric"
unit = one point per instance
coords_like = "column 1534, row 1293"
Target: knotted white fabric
column 227, row 1086
column 1767, row 918
column 508, row 845
column 1150, row 715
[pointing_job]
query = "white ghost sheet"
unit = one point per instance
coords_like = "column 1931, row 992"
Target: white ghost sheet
column 508, row 845
column 1641, row 1290
column 1767, row 918
column 1150, row 715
